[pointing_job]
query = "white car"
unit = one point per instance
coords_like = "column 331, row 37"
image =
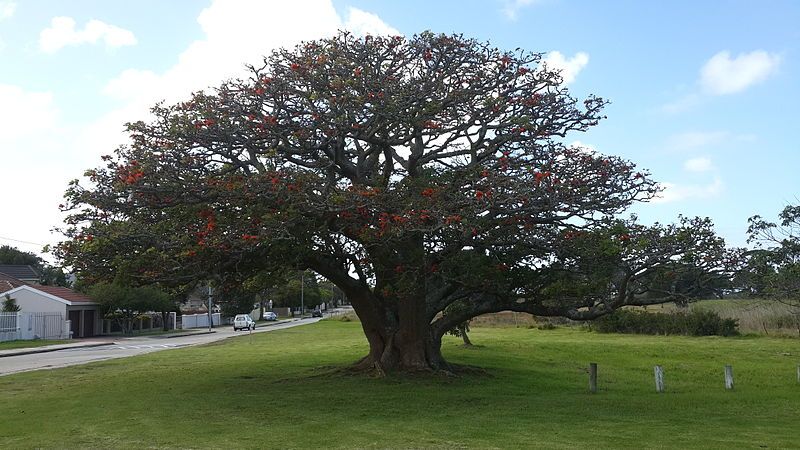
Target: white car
column 269, row 315
column 242, row 322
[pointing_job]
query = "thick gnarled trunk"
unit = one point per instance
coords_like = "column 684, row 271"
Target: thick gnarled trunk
column 402, row 350
column 400, row 339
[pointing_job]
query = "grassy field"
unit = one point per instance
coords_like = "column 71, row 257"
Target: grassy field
column 9, row 345
column 277, row 390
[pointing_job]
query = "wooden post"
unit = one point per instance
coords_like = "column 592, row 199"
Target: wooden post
column 593, row 378
column 798, row 373
column 728, row 377
column 659, row 372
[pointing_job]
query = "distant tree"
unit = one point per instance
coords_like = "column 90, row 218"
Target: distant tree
column 124, row 304
column 14, row 256
column 10, row 305
column 773, row 268
column 288, row 293
column 49, row 275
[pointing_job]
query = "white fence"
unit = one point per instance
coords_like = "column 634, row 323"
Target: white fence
column 199, row 320
column 25, row 326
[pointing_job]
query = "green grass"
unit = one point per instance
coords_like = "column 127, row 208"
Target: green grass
column 9, row 345
column 275, row 390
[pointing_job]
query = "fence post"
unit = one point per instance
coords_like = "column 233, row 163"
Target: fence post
column 728, row 377
column 659, row 373
column 798, row 373
column 593, row 378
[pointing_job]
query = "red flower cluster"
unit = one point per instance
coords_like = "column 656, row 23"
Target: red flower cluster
column 250, row 237
column 452, row 219
column 428, row 192
column 200, row 124
column 480, row 195
column 541, row 176
column 429, row 124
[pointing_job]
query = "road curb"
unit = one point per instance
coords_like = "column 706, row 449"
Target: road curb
column 46, row 349
column 182, row 335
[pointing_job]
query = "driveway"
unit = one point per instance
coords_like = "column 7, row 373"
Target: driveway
column 125, row 347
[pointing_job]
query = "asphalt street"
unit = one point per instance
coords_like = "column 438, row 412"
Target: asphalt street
column 125, row 347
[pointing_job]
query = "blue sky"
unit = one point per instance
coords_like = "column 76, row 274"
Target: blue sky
column 704, row 94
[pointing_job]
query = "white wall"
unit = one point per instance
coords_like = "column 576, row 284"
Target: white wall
column 30, row 302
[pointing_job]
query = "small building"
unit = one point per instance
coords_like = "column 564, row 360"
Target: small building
column 82, row 312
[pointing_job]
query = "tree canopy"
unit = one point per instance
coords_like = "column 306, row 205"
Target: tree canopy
column 772, row 270
column 426, row 177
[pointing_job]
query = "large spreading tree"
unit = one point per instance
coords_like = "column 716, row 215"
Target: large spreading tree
column 772, row 269
column 425, row 177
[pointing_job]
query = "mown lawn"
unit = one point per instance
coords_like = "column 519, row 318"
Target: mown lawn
column 10, row 345
column 275, row 390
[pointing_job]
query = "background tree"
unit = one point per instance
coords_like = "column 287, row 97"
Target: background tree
column 9, row 304
column 124, row 304
column 49, row 275
column 288, row 292
column 773, row 268
column 420, row 176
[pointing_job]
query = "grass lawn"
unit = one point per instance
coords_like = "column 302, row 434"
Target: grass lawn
column 9, row 345
column 274, row 390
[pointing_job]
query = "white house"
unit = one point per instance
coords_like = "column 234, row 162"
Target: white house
column 82, row 312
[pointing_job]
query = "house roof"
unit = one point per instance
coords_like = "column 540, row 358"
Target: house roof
column 7, row 283
column 65, row 295
column 20, row 272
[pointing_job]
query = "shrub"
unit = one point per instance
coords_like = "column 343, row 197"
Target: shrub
column 695, row 323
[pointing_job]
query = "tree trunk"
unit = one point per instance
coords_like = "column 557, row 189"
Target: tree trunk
column 164, row 324
column 399, row 344
column 462, row 330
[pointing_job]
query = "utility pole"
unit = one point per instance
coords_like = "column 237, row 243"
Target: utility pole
column 210, row 315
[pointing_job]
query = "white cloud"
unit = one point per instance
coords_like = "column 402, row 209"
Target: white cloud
column 722, row 75
column 7, row 9
column 674, row 192
column 588, row 148
column 703, row 139
column 36, row 162
column 511, row 7
column 363, row 23
column 568, row 67
column 701, row 164
column 682, row 104
column 234, row 35
column 62, row 33
column 25, row 113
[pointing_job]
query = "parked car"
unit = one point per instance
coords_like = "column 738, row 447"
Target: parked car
column 242, row 322
column 269, row 315
column 316, row 313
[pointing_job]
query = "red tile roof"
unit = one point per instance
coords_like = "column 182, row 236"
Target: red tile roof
column 8, row 283
column 64, row 293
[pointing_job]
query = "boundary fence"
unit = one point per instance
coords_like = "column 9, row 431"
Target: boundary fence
column 24, row 326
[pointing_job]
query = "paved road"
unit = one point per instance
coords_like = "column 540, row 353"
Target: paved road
column 125, row 347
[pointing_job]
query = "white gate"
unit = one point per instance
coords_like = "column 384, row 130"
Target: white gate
column 26, row 326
